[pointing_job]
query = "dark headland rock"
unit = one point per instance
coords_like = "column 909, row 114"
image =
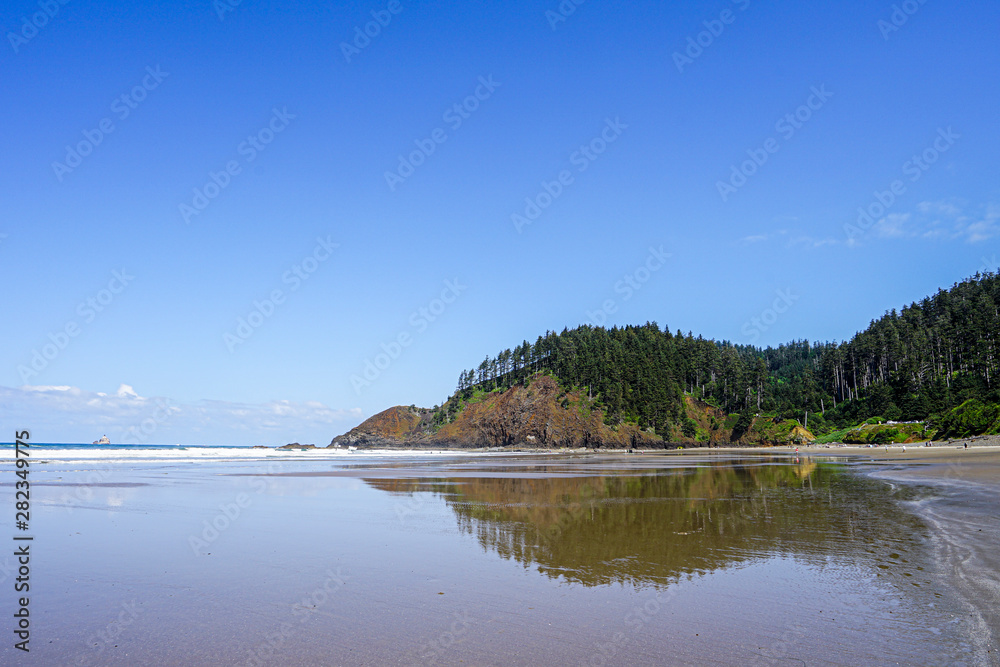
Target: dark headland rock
column 295, row 445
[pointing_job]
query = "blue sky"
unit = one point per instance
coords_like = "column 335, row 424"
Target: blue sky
column 541, row 163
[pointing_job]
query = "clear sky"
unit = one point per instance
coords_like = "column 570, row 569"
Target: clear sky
column 171, row 169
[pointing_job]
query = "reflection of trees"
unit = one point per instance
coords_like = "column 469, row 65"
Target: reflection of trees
column 654, row 527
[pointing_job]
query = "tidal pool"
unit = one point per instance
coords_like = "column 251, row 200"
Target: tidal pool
column 483, row 560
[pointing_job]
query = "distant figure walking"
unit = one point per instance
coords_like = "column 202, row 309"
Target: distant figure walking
column 966, row 445
column 904, row 449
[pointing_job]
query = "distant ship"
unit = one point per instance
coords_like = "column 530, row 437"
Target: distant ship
column 103, row 441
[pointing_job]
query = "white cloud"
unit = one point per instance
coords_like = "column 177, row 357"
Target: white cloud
column 942, row 220
column 944, row 208
column 892, row 225
column 983, row 230
column 70, row 414
column 794, row 242
column 809, row 242
column 126, row 391
column 980, row 228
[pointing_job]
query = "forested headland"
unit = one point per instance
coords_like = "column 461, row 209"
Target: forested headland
column 935, row 360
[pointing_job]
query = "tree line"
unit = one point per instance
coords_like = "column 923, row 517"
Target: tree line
column 907, row 365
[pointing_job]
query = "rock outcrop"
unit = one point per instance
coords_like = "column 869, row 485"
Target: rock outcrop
column 542, row 414
column 539, row 414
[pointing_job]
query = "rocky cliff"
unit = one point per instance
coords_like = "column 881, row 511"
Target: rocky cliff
column 544, row 414
column 539, row 414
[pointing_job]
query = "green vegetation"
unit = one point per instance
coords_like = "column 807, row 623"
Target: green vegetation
column 935, row 360
column 883, row 434
column 970, row 418
column 833, row 436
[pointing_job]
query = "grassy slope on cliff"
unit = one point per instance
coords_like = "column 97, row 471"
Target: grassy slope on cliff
column 973, row 417
column 882, row 434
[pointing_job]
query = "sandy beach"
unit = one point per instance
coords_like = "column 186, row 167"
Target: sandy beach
column 975, row 459
column 962, row 510
column 697, row 556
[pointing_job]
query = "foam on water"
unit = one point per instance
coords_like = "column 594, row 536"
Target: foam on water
column 77, row 453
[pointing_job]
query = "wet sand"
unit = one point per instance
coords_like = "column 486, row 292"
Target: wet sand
column 689, row 558
column 963, row 511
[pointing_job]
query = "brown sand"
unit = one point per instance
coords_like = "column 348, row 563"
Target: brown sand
column 963, row 519
column 980, row 462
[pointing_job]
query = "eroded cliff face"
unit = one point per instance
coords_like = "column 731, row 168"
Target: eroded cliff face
column 715, row 427
column 398, row 426
column 537, row 415
column 542, row 414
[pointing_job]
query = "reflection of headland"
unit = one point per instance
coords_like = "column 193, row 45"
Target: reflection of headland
column 655, row 527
